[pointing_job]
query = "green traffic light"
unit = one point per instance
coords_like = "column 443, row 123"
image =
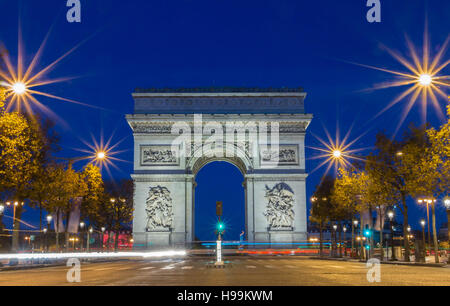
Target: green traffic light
column 220, row 226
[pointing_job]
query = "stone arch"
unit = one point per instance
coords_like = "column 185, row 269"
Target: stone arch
column 239, row 158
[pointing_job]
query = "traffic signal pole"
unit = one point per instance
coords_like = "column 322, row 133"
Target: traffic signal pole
column 219, row 262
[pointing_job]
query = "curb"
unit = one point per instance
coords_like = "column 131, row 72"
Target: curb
column 398, row 263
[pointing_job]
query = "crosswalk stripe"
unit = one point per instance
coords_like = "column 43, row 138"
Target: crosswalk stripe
column 251, row 267
column 147, row 268
column 186, row 267
column 268, row 266
column 337, row 267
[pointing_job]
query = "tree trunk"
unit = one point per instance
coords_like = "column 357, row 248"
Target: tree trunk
column 436, row 245
column 405, row 230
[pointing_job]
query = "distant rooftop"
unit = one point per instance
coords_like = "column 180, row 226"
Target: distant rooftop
column 217, row 90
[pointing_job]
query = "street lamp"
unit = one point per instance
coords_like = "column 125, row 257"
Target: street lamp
column 47, row 230
column 82, row 234
column 103, row 232
column 425, row 201
column 15, row 205
column 19, row 88
column 391, row 225
column 335, row 239
column 431, row 201
column 354, row 227
column 345, row 241
column 422, row 223
column 447, row 206
column 88, row 242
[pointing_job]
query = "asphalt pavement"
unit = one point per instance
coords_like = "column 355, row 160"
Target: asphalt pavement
column 239, row 271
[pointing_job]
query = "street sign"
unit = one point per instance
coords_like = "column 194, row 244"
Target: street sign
column 219, row 207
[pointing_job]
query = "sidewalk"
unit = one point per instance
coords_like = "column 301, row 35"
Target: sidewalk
column 398, row 262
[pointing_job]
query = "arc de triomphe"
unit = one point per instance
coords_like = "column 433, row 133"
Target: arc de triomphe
column 273, row 166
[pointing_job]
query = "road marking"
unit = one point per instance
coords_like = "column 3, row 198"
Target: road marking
column 121, row 269
column 251, row 267
column 268, row 266
column 337, row 267
column 102, row 269
column 169, row 267
column 186, row 268
column 147, row 268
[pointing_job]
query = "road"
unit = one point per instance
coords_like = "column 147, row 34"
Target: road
column 244, row 271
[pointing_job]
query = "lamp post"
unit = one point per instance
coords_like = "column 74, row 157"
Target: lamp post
column 49, row 221
column 354, row 229
column 88, row 242
column 421, row 201
column 45, row 238
column 335, row 239
column 447, row 206
column 345, row 240
column 422, row 223
column 82, row 234
column 391, row 225
column 15, row 205
column 103, row 231
column 432, row 202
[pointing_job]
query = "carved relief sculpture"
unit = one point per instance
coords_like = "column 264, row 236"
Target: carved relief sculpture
column 158, row 155
column 280, row 207
column 159, row 209
column 287, row 155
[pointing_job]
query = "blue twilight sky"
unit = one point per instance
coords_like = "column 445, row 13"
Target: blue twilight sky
column 202, row 43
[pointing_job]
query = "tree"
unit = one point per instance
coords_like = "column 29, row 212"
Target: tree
column 67, row 185
column 20, row 149
column 345, row 194
column 321, row 207
column 38, row 192
column 94, row 192
column 425, row 160
column 388, row 168
column 120, row 208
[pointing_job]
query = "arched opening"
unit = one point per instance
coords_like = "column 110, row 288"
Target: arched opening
column 219, row 181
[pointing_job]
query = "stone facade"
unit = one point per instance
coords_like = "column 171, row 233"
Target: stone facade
column 164, row 179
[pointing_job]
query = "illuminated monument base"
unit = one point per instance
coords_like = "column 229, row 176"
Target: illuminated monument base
column 275, row 198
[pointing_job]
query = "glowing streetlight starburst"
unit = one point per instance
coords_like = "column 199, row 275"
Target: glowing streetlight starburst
column 103, row 154
column 336, row 153
column 424, row 78
column 19, row 88
column 21, row 82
